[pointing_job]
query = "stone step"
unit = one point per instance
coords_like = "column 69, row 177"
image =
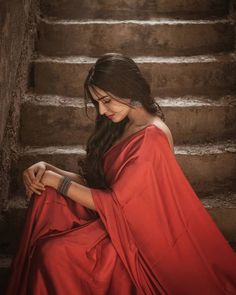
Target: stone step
column 133, row 9
column 5, row 262
column 63, row 119
column 11, row 223
column 202, row 164
column 166, row 37
column 222, row 208
column 168, row 76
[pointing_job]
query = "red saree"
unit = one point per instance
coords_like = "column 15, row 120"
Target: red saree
column 150, row 234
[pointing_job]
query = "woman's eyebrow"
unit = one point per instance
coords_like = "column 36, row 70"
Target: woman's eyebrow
column 102, row 97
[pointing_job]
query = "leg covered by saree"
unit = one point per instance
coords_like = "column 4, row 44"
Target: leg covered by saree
column 64, row 248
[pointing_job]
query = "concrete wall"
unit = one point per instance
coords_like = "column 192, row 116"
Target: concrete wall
column 17, row 34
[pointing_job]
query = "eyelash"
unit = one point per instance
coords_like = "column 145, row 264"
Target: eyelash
column 107, row 101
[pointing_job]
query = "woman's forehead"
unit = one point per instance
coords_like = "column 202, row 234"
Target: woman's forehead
column 97, row 91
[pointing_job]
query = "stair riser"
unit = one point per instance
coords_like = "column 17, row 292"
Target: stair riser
column 69, row 125
column 166, row 79
column 148, row 40
column 11, row 225
column 4, row 273
column 123, row 9
column 210, row 172
column 204, row 172
column 225, row 218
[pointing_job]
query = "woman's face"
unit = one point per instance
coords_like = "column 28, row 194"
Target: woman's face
column 109, row 104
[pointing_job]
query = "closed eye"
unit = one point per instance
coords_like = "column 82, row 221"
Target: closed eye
column 102, row 99
column 106, row 101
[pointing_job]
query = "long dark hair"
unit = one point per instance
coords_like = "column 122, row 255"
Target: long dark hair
column 119, row 75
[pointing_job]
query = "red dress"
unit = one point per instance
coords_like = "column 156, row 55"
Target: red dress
column 150, row 235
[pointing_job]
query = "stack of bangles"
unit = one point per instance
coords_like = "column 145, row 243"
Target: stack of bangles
column 64, row 184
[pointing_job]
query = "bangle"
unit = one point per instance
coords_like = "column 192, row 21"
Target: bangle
column 64, row 185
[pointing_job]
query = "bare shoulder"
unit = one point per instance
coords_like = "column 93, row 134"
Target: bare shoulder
column 160, row 124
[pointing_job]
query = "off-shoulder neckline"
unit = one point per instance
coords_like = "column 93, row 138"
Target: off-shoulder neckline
column 131, row 136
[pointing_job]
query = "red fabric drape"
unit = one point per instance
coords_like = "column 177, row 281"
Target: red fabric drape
column 150, row 235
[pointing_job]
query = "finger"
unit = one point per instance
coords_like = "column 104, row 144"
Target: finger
column 36, row 185
column 39, row 185
column 35, row 190
column 29, row 196
column 26, row 185
column 31, row 175
column 28, row 180
column 28, row 193
column 39, row 175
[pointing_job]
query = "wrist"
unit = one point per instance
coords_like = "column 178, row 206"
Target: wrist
column 64, row 185
column 45, row 164
column 51, row 178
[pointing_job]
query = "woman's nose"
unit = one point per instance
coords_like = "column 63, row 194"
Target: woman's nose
column 102, row 108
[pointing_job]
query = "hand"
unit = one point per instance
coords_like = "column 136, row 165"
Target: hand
column 51, row 178
column 32, row 177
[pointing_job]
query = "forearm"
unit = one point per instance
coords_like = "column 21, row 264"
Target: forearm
column 73, row 176
column 77, row 192
column 81, row 194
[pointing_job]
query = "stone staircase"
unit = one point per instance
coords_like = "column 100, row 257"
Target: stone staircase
column 185, row 49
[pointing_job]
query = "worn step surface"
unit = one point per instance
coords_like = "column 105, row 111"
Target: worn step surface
column 163, row 37
column 167, row 76
column 133, row 9
column 209, row 167
column 64, row 120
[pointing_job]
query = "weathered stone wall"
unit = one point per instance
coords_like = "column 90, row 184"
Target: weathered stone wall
column 232, row 16
column 17, row 34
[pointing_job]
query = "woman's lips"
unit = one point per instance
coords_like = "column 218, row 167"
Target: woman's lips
column 110, row 116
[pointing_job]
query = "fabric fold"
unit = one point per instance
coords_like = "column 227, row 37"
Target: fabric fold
column 162, row 232
column 150, row 234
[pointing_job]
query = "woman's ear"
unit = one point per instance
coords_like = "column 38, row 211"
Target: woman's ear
column 135, row 103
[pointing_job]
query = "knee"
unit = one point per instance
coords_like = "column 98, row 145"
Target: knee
column 51, row 194
column 49, row 191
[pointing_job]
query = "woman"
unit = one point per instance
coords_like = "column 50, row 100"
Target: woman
column 129, row 222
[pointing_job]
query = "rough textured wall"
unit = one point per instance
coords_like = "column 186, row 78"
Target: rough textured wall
column 17, row 34
column 233, row 16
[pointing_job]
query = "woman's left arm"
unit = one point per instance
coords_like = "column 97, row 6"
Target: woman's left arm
column 77, row 192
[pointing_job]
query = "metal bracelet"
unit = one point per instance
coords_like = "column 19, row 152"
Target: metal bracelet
column 64, row 185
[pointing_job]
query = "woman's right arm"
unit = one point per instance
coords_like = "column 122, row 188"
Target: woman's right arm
column 75, row 177
column 33, row 174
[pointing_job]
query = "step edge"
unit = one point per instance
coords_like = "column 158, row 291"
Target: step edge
column 80, row 60
column 221, row 147
column 188, row 101
column 150, row 21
